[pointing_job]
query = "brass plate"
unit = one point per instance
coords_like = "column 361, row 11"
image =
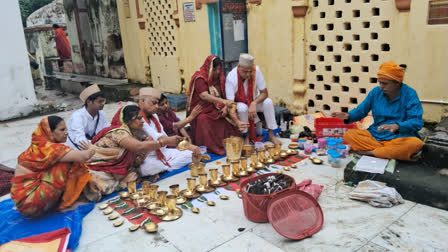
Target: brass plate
column 113, row 216
column 224, row 197
column 243, row 174
column 231, row 178
column 203, row 189
column 217, row 183
column 152, row 205
column 316, row 161
column 108, row 210
column 159, row 211
column 118, row 223
column 187, row 195
column 103, row 206
column 180, row 200
column 171, row 216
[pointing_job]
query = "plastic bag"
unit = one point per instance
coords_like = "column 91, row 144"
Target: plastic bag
column 312, row 189
column 376, row 194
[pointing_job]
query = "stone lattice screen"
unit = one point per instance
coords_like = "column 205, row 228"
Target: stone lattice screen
column 161, row 27
column 347, row 40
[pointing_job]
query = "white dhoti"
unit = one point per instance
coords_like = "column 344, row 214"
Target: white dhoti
column 176, row 159
column 267, row 107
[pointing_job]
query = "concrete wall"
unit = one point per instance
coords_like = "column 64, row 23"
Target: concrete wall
column 195, row 42
column 427, row 51
column 94, row 30
column 270, row 42
column 52, row 13
column 135, row 41
column 17, row 97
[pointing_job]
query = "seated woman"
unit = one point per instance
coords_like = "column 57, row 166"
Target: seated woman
column 49, row 174
column 207, row 88
column 117, row 155
column 171, row 124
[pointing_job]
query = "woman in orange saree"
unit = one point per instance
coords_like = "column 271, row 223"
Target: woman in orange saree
column 49, row 174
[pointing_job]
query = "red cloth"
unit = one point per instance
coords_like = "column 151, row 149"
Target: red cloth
column 208, row 128
column 62, row 44
column 240, row 96
column 159, row 153
column 167, row 120
column 121, row 165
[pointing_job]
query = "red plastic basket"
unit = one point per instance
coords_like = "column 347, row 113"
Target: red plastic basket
column 331, row 127
column 255, row 205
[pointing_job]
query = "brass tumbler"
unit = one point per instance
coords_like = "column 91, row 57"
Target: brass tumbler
column 132, row 187
column 146, row 188
column 233, row 147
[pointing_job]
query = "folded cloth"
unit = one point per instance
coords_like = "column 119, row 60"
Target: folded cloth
column 376, row 194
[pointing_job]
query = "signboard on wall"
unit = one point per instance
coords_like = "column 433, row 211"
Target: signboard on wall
column 189, row 12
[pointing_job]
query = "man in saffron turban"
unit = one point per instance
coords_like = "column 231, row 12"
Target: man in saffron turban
column 397, row 114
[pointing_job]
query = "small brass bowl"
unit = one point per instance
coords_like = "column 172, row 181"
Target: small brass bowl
column 151, row 227
column 283, row 155
column 293, row 166
column 118, row 223
column 113, row 216
column 183, row 145
column 286, row 168
column 293, row 146
column 270, row 161
column 211, row 203
column 224, row 197
column 290, row 152
column 195, row 210
column 316, row 160
column 134, row 228
column 103, row 206
column 124, row 195
column 108, row 211
column 135, row 196
column 259, row 166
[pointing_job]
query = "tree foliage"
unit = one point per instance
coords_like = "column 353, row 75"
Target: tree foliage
column 27, row 7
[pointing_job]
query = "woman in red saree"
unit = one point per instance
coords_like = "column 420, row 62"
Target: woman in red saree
column 49, row 174
column 207, row 89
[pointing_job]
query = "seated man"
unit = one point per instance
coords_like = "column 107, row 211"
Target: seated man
column 162, row 159
column 87, row 121
column 245, row 85
column 397, row 115
column 171, row 124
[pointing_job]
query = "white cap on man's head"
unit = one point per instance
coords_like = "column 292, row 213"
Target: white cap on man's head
column 246, row 60
column 148, row 91
column 93, row 89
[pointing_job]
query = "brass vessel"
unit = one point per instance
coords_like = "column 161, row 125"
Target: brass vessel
column 132, row 187
column 227, row 176
column 293, row 146
column 190, row 192
column 183, row 145
column 173, row 212
column 161, row 200
column 174, row 189
column 248, row 150
column 243, row 168
column 145, row 188
column 196, row 169
column 124, row 195
column 203, row 186
column 215, row 181
column 233, row 147
column 261, row 156
column 151, row 227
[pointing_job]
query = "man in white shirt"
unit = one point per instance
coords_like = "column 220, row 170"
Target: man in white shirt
column 163, row 159
column 245, row 85
column 87, row 121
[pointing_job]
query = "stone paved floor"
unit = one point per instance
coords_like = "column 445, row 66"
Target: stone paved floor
column 348, row 225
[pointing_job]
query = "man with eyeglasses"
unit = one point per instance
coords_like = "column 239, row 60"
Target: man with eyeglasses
column 87, row 121
column 245, row 84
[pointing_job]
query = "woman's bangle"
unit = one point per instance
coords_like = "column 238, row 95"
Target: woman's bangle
column 160, row 143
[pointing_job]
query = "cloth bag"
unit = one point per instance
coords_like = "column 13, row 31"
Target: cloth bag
column 376, row 194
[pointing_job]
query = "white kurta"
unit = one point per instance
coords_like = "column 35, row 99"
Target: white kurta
column 267, row 107
column 177, row 159
column 82, row 123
